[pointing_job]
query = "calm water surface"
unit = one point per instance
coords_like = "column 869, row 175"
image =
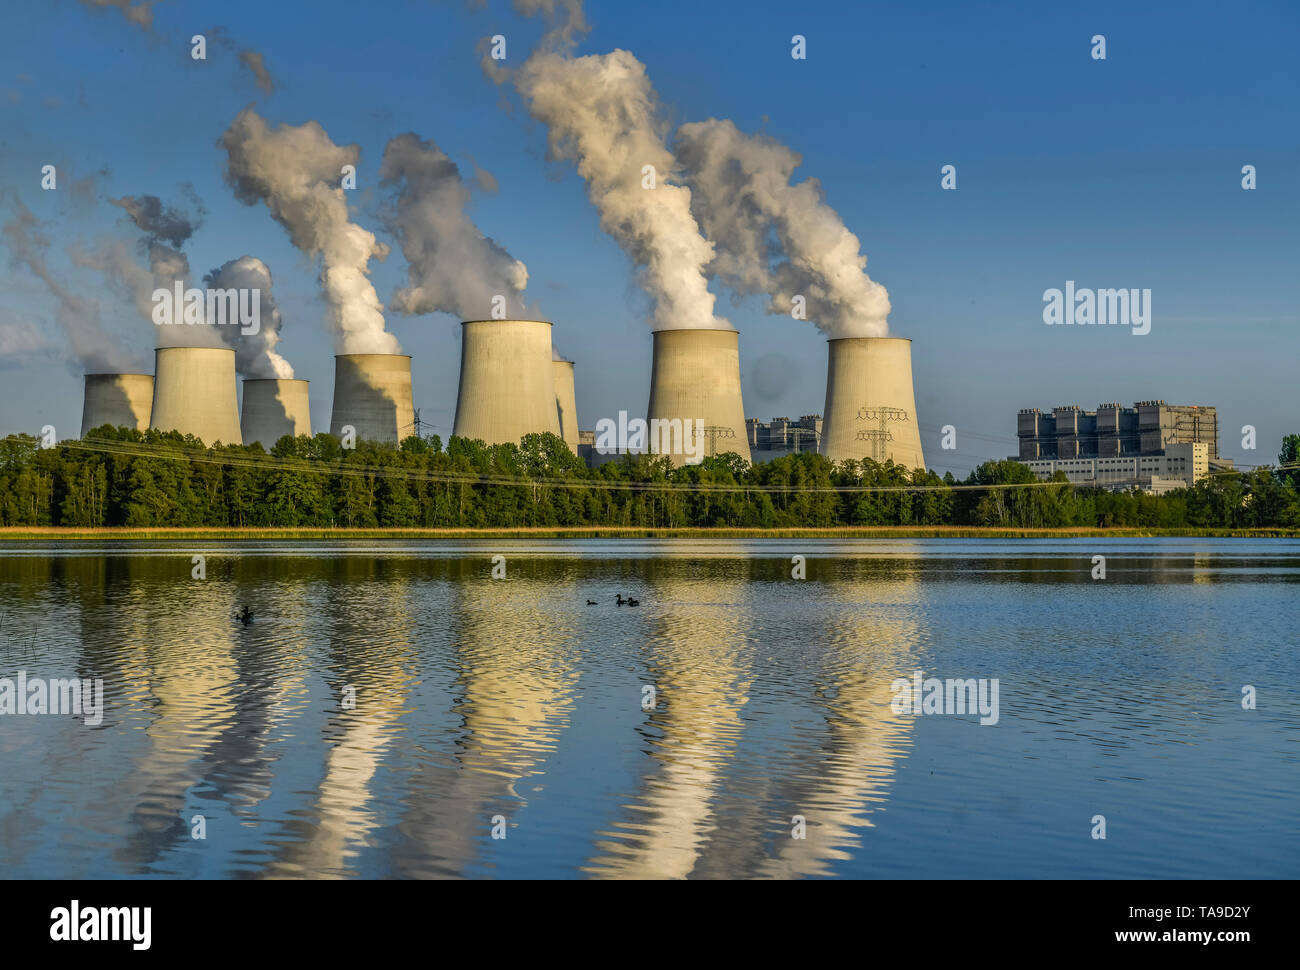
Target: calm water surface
column 512, row 699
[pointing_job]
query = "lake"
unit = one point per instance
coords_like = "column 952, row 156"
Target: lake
column 393, row 710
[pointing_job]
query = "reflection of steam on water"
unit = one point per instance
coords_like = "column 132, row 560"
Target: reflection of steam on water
column 210, row 693
column 687, row 820
column 696, row 662
column 869, row 638
column 183, row 679
column 517, row 687
column 373, row 653
column 273, row 676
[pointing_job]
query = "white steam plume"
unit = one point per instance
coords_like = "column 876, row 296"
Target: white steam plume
column 743, row 197
column 255, row 354
column 453, row 267
column 297, row 171
column 166, row 229
column 602, row 113
column 565, row 20
column 140, row 14
column 92, row 347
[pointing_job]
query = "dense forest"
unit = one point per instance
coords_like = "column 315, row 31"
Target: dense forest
column 121, row 477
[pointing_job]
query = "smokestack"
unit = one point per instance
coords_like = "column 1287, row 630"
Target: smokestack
column 194, row 393
column 122, row 400
column 273, row 408
column 870, row 405
column 507, row 385
column 566, row 402
column 372, row 393
column 696, row 375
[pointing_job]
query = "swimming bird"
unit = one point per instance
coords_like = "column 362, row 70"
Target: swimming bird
column 620, row 601
column 632, row 602
column 591, row 602
column 245, row 617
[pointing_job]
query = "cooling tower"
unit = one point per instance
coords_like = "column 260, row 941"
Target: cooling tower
column 372, row 393
column 194, row 393
column 696, row 376
column 507, row 385
column 870, row 406
column 566, row 402
column 122, row 400
column 272, row 409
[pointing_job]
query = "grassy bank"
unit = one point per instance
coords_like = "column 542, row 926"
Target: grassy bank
column 36, row 534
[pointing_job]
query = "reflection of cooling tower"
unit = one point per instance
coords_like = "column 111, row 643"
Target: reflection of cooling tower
column 870, row 406
column 696, row 376
column 566, row 402
column 122, row 400
column 194, row 393
column 507, row 387
column 272, row 409
column 372, row 393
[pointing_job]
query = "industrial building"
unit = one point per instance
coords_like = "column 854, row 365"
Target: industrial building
column 566, row 402
column 1178, row 466
column 122, row 400
column 273, row 408
column 781, row 436
column 870, row 406
column 372, row 395
column 513, row 385
column 695, row 376
column 194, row 393
column 1145, row 429
column 507, row 381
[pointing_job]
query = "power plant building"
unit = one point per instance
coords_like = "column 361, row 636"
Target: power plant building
column 122, row 400
column 566, row 402
column 194, row 393
column 1147, row 429
column 870, row 406
column 1178, row 466
column 695, row 377
column 507, row 382
column 273, row 408
column 781, row 436
column 372, row 395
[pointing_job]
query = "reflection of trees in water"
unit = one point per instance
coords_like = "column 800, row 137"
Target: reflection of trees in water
column 721, row 774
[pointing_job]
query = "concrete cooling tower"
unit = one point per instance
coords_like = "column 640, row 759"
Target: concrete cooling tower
column 566, row 402
column 194, row 393
column 372, row 393
column 870, row 406
column 122, row 400
column 507, row 385
column 272, row 409
column 696, row 376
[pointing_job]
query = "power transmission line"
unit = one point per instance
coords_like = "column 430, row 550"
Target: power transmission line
column 271, row 463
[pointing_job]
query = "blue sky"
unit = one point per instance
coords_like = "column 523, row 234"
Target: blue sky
column 1117, row 173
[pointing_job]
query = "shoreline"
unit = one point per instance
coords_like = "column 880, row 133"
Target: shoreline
column 12, row 534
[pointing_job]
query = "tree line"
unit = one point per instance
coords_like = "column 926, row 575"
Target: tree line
column 124, row 477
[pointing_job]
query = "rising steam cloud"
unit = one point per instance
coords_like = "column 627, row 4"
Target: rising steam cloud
column 743, row 197
column 165, row 229
column 453, row 267
column 95, row 350
column 255, row 354
column 602, row 113
column 296, row 172
column 140, row 14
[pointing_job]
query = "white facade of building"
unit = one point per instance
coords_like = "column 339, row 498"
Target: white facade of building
column 1181, row 466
